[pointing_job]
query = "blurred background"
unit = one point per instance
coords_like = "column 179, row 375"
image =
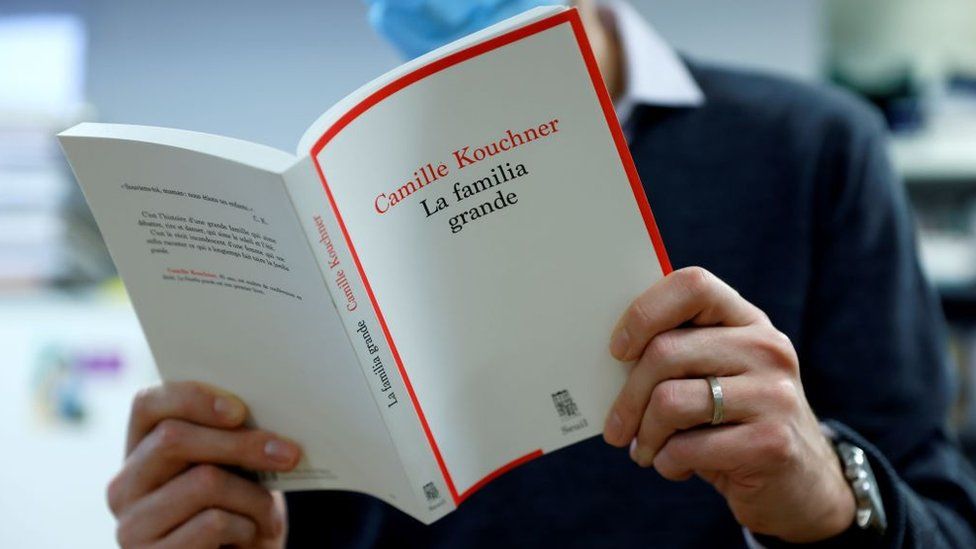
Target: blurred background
column 71, row 349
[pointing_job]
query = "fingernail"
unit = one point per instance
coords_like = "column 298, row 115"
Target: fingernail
column 633, row 449
column 280, row 451
column 613, row 427
column 228, row 408
column 619, row 343
column 643, row 456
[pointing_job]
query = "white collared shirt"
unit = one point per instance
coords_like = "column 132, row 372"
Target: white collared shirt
column 653, row 72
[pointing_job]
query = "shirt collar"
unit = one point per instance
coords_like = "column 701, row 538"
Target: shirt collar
column 655, row 75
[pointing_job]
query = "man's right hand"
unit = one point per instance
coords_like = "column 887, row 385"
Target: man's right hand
column 172, row 491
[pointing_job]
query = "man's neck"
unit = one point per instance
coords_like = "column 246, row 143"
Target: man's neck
column 602, row 34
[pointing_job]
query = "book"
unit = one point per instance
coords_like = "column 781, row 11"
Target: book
column 422, row 296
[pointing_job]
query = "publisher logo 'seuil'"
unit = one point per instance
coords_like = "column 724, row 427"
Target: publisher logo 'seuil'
column 433, row 496
column 568, row 412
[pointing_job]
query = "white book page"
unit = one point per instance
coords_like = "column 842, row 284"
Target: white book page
column 228, row 292
column 501, row 318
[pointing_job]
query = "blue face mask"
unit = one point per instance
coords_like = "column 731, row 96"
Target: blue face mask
column 416, row 27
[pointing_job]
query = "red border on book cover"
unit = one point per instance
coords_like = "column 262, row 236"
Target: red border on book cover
column 570, row 16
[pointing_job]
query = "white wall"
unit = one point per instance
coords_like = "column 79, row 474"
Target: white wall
column 784, row 36
column 237, row 68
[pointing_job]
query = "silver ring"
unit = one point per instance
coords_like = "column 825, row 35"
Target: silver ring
column 718, row 400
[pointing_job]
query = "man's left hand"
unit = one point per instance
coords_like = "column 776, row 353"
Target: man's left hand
column 769, row 458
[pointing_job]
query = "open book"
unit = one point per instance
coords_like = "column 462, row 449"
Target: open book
column 423, row 296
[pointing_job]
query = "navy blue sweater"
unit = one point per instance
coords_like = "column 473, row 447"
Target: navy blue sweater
column 785, row 192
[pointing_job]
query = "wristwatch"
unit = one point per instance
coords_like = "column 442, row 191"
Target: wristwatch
column 870, row 510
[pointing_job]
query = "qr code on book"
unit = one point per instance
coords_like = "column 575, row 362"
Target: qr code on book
column 431, row 492
column 565, row 406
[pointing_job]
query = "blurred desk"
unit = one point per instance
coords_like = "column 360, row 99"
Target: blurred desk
column 71, row 366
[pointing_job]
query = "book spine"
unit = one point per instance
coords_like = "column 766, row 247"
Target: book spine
column 349, row 296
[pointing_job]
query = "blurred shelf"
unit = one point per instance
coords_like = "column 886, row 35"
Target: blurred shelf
column 940, row 158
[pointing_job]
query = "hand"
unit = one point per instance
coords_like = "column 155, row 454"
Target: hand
column 172, row 491
column 769, row 459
